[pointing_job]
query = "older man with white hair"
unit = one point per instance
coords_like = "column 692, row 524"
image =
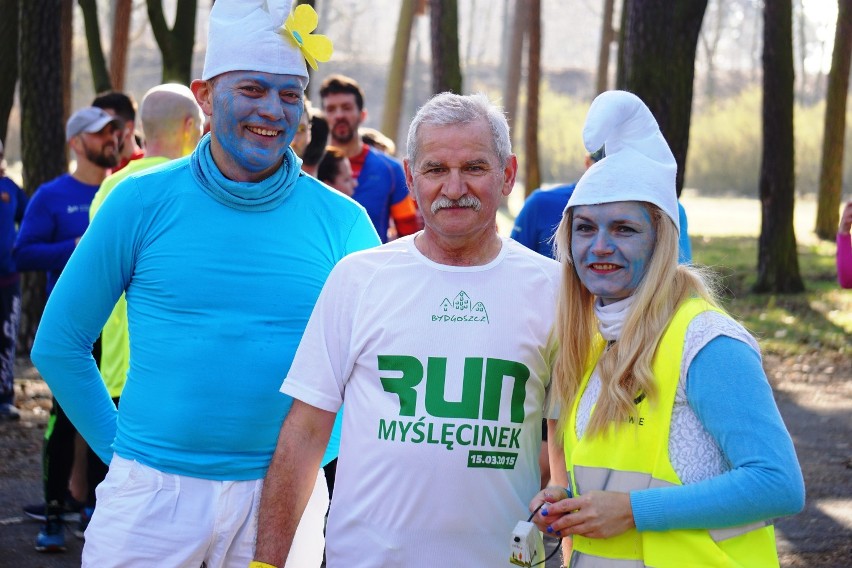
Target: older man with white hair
column 440, row 345
column 222, row 256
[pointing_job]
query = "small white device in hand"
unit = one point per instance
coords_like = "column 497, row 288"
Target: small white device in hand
column 524, row 546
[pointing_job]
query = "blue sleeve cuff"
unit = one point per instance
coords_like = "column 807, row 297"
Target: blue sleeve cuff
column 648, row 510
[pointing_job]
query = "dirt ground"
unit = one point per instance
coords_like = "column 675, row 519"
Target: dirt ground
column 814, row 393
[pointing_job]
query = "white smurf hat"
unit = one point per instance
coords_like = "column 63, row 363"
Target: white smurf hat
column 247, row 35
column 639, row 166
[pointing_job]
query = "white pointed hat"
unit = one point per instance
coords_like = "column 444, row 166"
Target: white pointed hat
column 639, row 165
column 244, row 36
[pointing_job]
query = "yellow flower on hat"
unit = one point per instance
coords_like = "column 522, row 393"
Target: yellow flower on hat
column 299, row 25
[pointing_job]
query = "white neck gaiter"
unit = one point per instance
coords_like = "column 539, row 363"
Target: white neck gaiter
column 611, row 317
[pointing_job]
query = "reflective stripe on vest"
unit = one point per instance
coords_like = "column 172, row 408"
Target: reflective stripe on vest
column 635, row 457
column 589, row 561
column 590, row 478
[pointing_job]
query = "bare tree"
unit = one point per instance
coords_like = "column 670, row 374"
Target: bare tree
column 514, row 63
column 532, row 179
column 607, row 37
column 175, row 43
column 399, row 63
column 66, row 39
column 446, row 67
column 100, row 75
column 312, row 4
column 709, row 38
column 120, row 40
column 831, row 170
column 777, row 261
column 42, row 132
column 657, row 62
column 9, row 61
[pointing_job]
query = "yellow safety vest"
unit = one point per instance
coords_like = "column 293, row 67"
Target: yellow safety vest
column 636, row 457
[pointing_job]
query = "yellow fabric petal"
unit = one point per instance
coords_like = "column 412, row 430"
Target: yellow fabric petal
column 299, row 26
column 319, row 46
column 304, row 19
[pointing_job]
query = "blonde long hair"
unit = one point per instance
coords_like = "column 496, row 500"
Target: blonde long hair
column 625, row 368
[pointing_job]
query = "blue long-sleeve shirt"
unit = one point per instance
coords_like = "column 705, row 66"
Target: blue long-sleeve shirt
column 381, row 185
column 13, row 202
column 729, row 392
column 56, row 216
column 540, row 216
column 218, row 298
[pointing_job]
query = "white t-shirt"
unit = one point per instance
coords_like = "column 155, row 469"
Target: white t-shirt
column 445, row 372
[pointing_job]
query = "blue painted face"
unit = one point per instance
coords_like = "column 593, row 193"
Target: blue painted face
column 611, row 245
column 255, row 116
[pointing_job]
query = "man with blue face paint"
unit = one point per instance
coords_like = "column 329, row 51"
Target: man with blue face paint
column 221, row 256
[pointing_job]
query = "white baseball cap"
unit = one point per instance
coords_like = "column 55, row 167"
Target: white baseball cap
column 89, row 119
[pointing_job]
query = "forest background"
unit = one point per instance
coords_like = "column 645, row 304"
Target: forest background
column 742, row 89
column 725, row 133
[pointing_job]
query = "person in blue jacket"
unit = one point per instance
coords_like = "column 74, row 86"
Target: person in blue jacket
column 381, row 180
column 13, row 201
column 221, row 256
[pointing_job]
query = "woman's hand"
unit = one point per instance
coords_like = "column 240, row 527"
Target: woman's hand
column 846, row 220
column 597, row 514
column 543, row 499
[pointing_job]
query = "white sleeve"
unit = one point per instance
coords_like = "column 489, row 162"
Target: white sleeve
column 323, row 363
column 552, row 408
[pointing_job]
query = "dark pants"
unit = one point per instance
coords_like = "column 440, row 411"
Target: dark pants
column 57, row 456
column 10, row 316
column 96, row 471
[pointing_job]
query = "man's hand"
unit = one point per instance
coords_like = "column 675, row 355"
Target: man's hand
column 290, row 479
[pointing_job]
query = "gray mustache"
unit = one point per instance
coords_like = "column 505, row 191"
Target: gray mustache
column 463, row 201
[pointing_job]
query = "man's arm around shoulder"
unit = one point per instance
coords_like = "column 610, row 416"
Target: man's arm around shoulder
column 290, row 479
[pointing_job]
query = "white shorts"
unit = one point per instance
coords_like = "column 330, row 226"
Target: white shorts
column 147, row 518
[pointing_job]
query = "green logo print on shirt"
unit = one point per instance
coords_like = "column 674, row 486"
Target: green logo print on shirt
column 482, row 391
column 461, row 309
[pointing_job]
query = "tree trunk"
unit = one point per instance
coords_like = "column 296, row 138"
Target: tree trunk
column 312, row 4
column 394, row 92
column 100, row 75
column 607, row 37
column 831, row 170
column 8, row 63
column 66, row 38
column 621, row 68
column 120, row 40
column 532, row 179
column 709, row 40
column 777, row 262
column 42, row 128
column 514, row 64
column 658, row 44
column 446, row 68
column 799, row 22
column 175, row 44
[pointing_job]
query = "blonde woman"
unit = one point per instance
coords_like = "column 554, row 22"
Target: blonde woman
column 675, row 449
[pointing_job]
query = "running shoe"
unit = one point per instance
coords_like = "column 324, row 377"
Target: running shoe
column 70, row 512
column 51, row 537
